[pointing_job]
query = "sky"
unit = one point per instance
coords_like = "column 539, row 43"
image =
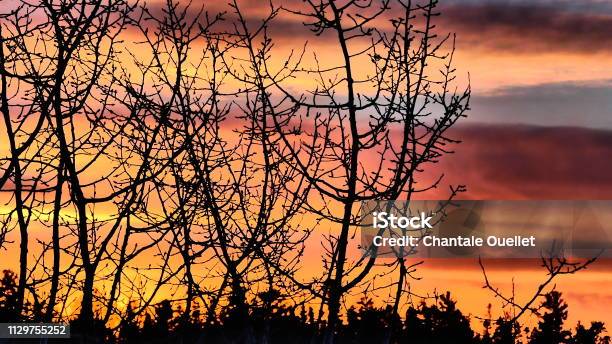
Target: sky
column 540, row 127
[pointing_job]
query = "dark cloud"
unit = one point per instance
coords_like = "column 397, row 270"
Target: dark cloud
column 514, row 26
column 530, row 162
column 284, row 26
column 552, row 104
column 523, row 27
column 583, row 6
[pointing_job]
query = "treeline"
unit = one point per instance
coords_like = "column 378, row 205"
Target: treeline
column 436, row 322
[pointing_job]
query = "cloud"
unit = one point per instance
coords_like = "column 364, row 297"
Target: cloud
column 551, row 104
column 584, row 6
column 530, row 162
column 527, row 27
column 511, row 26
column 284, row 26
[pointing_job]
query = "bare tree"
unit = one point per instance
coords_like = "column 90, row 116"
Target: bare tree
column 555, row 266
column 223, row 195
column 177, row 103
column 63, row 66
column 13, row 171
column 252, row 213
column 370, row 124
column 204, row 154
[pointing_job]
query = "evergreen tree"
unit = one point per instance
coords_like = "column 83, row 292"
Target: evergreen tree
column 439, row 323
column 8, row 297
column 550, row 328
column 591, row 335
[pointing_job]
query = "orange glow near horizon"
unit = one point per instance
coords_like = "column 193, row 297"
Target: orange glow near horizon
column 588, row 293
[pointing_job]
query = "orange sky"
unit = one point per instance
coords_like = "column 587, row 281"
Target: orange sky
column 541, row 74
column 540, row 128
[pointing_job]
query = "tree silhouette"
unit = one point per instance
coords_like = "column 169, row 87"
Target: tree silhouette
column 9, row 310
column 367, row 323
column 591, row 335
column 129, row 330
column 550, row 328
column 348, row 116
column 506, row 331
column 175, row 172
column 438, row 323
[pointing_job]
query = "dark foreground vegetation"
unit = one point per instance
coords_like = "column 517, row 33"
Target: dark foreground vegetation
column 190, row 150
column 266, row 321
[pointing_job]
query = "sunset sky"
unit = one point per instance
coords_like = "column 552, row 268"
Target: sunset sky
column 540, row 128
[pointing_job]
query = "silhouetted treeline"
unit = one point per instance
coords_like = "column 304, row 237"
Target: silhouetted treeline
column 435, row 322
